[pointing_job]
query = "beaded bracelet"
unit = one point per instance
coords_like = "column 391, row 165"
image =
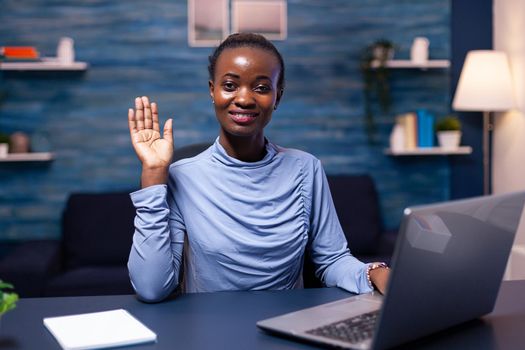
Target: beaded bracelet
column 371, row 267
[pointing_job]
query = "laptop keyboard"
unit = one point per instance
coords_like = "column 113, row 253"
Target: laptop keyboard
column 352, row 330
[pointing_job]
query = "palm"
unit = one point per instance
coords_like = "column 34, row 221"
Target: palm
column 152, row 150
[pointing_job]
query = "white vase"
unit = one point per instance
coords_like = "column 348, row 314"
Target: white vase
column 4, row 148
column 419, row 50
column 397, row 138
column 449, row 139
column 66, row 50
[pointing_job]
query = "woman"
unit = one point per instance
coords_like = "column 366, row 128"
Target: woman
column 243, row 212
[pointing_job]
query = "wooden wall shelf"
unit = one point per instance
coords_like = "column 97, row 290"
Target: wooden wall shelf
column 46, row 64
column 28, row 157
column 430, row 151
column 408, row 64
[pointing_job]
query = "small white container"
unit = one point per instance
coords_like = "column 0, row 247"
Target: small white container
column 449, row 139
column 419, row 50
column 397, row 138
column 4, row 148
column 66, row 50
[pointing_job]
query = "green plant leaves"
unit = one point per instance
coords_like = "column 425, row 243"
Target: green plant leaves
column 448, row 123
column 7, row 299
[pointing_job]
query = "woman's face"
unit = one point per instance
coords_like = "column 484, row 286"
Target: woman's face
column 244, row 90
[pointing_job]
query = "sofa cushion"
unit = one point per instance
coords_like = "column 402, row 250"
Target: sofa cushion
column 97, row 229
column 190, row 150
column 357, row 206
column 108, row 280
column 29, row 265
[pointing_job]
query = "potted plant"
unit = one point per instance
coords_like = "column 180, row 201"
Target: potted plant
column 375, row 79
column 7, row 299
column 448, row 130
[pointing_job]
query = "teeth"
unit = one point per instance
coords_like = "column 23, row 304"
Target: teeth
column 243, row 115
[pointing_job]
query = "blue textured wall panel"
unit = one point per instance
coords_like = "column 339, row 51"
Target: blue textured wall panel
column 140, row 48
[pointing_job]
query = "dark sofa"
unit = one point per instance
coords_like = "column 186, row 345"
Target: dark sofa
column 90, row 258
column 357, row 205
column 97, row 229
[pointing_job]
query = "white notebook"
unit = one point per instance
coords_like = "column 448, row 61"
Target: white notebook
column 98, row 330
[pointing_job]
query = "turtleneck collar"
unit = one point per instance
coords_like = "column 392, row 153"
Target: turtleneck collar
column 219, row 153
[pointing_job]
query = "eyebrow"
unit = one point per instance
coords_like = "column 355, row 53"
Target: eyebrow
column 231, row 75
column 236, row 76
column 263, row 77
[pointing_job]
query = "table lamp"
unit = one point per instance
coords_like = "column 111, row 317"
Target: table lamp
column 485, row 85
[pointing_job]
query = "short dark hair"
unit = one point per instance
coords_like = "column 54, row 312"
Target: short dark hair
column 246, row 40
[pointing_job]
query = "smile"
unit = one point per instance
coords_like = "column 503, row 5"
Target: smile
column 243, row 117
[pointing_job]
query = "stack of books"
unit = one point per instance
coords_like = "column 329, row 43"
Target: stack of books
column 19, row 53
column 413, row 130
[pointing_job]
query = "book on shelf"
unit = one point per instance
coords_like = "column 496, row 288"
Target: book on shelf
column 413, row 130
column 19, row 53
column 425, row 128
column 408, row 122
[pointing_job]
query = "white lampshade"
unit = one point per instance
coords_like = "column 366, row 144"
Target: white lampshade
column 485, row 83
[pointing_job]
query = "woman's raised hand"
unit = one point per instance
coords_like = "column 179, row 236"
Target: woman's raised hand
column 154, row 152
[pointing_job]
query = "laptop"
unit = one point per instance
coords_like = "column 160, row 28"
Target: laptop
column 447, row 268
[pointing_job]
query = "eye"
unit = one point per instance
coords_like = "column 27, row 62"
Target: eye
column 228, row 86
column 263, row 88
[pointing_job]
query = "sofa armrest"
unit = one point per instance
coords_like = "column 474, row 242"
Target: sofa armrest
column 29, row 265
column 385, row 248
column 387, row 242
column 357, row 205
column 97, row 229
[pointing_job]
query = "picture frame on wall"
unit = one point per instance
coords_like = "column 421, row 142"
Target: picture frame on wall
column 266, row 17
column 208, row 22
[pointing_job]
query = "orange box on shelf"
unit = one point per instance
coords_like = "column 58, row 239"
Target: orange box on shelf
column 19, row 52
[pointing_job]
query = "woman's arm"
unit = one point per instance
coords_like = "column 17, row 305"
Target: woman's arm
column 156, row 253
column 379, row 278
column 335, row 266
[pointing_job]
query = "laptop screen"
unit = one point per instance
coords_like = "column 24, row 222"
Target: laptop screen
column 448, row 265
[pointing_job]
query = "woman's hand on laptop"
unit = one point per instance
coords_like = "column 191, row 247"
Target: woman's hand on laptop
column 379, row 278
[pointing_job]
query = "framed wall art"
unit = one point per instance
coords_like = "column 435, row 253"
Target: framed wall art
column 208, row 22
column 266, row 17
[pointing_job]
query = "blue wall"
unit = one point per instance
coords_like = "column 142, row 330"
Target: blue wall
column 138, row 48
column 472, row 30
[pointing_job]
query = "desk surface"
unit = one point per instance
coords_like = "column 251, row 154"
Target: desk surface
column 227, row 320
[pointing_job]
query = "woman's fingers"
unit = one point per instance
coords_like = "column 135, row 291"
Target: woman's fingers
column 148, row 121
column 155, row 116
column 139, row 113
column 131, row 122
column 168, row 130
column 146, row 116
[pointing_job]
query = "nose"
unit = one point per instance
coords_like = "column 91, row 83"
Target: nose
column 244, row 98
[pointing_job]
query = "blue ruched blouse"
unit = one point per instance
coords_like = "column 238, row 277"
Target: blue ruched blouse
column 246, row 226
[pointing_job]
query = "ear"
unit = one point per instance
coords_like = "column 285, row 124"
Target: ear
column 211, row 86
